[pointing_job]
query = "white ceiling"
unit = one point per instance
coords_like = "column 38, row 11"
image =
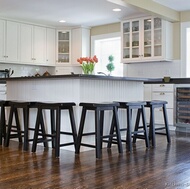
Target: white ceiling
column 178, row 5
column 75, row 12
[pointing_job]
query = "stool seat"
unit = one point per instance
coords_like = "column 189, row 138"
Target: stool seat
column 156, row 102
column 54, row 107
column 99, row 109
column 104, row 105
column 132, row 103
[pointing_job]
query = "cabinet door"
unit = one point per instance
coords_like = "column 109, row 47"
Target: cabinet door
column 50, row 48
column 13, row 42
column 39, row 45
column 26, row 43
column 2, row 40
column 63, row 47
column 131, row 40
column 80, row 44
column 147, row 38
column 158, row 38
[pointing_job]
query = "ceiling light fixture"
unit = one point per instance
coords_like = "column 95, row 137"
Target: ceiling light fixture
column 62, row 21
column 116, row 10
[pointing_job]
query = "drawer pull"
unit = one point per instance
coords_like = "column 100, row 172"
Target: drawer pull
column 162, row 85
column 162, row 93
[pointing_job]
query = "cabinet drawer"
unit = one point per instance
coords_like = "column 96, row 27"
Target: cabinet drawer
column 3, row 96
column 3, row 87
column 163, row 87
column 159, row 119
column 164, row 96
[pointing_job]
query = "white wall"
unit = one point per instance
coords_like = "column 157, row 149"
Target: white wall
column 153, row 69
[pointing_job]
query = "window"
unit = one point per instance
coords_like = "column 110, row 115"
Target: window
column 103, row 46
column 185, row 49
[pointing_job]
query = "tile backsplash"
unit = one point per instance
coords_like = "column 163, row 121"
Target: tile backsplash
column 27, row 70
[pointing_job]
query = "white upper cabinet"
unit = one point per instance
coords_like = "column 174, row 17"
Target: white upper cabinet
column 63, row 47
column 13, row 42
column 146, row 39
column 37, row 45
column 2, row 39
column 26, row 43
column 80, row 46
column 50, row 46
column 10, row 41
column 39, row 50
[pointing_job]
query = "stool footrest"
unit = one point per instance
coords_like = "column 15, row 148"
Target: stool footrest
column 160, row 133
column 66, row 144
column 88, row 145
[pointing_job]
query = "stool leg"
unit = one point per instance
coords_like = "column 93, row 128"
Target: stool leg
column 73, row 125
column 80, row 132
column 111, row 133
column 26, row 116
column 43, row 129
column 98, row 133
column 57, row 138
column 129, row 124
column 145, row 127
column 53, row 130
column 117, row 128
column 166, row 123
column 36, row 131
column 2, row 125
column 18, row 125
column 7, row 139
column 152, row 126
column 101, row 125
column 136, row 125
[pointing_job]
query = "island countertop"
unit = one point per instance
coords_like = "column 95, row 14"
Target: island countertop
column 83, row 76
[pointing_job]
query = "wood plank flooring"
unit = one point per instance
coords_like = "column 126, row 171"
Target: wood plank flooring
column 166, row 166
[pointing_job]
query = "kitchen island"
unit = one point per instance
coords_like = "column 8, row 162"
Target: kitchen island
column 77, row 88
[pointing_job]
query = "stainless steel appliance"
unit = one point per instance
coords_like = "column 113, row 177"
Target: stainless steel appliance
column 6, row 73
column 182, row 107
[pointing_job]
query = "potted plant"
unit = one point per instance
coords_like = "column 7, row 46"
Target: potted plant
column 110, row 66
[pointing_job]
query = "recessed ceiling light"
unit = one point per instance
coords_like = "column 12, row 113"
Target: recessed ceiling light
column 116, row 10
column 62, row 21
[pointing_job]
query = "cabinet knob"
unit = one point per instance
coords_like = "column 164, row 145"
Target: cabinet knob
column 162, row 93
column 162, row 85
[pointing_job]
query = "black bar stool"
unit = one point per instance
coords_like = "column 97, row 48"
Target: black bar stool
column 152, row 130
column 18, row 133
column 143, row 133
column 3, row 104
column 99, row 109
column 55, row 125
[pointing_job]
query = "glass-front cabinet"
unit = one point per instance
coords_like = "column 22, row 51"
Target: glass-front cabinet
column 63, row 47
column 146, row 39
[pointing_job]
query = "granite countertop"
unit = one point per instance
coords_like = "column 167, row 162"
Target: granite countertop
column 83, row 76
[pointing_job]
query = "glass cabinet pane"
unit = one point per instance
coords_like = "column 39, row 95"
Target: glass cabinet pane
column 147, row 37
column 63, row 46
column 126, row 40
column 157, row 37
column 135, row 39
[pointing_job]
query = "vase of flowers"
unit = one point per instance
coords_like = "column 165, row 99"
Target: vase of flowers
column 88, row 64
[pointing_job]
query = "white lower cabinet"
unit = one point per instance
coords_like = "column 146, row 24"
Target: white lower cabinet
column 163, row 92
column 3, row 92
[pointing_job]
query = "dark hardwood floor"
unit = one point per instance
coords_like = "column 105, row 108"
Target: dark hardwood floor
column 166, row 166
